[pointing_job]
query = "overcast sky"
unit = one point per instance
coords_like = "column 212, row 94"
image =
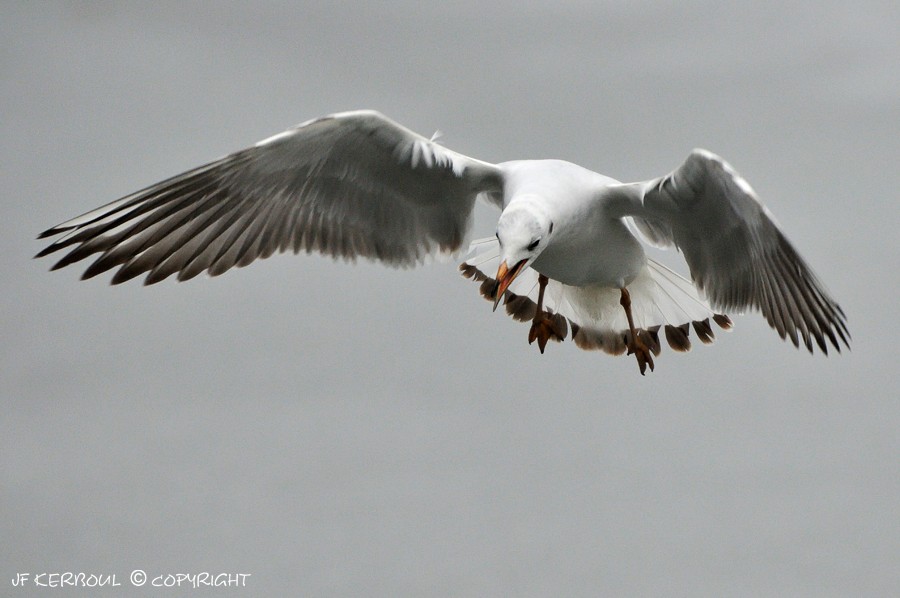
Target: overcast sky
column 354, row 430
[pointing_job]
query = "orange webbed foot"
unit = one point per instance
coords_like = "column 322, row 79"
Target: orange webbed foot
column 547, row 326
column 642, row 352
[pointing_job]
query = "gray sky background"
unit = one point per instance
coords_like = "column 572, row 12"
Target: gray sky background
column 354, row 430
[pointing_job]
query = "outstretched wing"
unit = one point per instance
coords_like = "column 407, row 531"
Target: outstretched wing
column 736, row 253
column 353, row 184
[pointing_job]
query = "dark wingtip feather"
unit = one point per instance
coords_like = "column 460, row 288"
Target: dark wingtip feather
column 821, row 342
column 91, row 272
column 842, row 330
column 588, row 339
column 472, row 272
column 704, row 331
column 102, row 264
column 188, row 274
column 562, row 326
column 520, row 307
column 60, row 264
column 723, row 321
column 488, row 289
column 677, row 336
column 50, row 232
column 155, row 276
column 124, row 274
column 650, row 336
column 808, row 342
column 47, row 250
column 467, row 270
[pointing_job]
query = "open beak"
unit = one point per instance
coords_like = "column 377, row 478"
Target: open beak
column 505, row 276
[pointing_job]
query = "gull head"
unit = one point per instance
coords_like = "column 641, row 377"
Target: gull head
column 523, row 231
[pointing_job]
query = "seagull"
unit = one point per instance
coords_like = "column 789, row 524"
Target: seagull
column 568, row 255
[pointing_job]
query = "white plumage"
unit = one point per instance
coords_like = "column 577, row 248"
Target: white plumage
column 356, row 184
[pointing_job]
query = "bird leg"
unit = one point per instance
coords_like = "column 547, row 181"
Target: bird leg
column 544, row 326
column 633, row 340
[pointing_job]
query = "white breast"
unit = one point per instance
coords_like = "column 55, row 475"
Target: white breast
column 587, row 246
column 602, row 253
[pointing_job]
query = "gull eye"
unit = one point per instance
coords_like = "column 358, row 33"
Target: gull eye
column 533, row 245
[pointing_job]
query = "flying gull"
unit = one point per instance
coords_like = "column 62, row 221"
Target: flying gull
column 567, row 255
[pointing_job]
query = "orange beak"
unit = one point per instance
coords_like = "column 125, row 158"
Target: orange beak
column 505, row 276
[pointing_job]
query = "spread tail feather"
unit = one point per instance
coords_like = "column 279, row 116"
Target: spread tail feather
column 662, row 301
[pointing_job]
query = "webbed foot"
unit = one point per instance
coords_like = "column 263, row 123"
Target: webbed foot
column 637, row 347
column 547, row 326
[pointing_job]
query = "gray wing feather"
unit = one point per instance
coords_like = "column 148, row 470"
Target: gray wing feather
column 348, row 185
column 735, row 250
